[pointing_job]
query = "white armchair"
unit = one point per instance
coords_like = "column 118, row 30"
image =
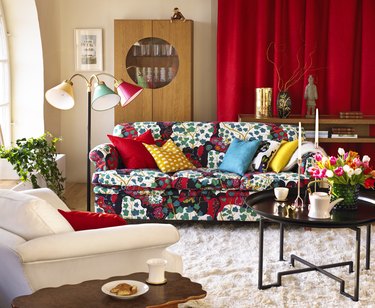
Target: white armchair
column 39, row 248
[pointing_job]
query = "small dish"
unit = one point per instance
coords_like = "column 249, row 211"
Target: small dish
column 142, row 288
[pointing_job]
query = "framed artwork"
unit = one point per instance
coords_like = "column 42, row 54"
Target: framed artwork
column 88, row 49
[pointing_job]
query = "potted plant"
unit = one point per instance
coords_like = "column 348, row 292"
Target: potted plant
column 33, row 156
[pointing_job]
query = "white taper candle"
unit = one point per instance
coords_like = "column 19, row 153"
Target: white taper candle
column 299, row 140
column 316, row 127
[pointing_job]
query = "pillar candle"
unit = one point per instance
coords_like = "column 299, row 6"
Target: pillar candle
column 316, row 127
column 299, row 140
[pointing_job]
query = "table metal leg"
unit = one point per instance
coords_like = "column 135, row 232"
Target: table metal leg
column 281, row 252
column 357, row 265
column 312, row 267
column 260, row 264
column 261, row 286
column 368, row 244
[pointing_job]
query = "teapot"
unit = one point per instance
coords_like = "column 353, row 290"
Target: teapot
column 320, row 205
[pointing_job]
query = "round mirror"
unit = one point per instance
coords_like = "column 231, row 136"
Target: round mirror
column 152, row 63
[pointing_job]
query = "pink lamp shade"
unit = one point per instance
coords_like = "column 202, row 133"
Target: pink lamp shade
column 61, row 96
column 127, row 91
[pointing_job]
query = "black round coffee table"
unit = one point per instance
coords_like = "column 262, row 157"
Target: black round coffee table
column 284, row 213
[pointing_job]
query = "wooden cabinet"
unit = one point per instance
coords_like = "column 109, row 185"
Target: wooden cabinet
column 361, row 126
column 157, row 55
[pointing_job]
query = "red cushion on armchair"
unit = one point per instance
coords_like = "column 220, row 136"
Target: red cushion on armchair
column 80, row 220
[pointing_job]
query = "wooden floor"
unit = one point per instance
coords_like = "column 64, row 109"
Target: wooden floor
column 75, row 196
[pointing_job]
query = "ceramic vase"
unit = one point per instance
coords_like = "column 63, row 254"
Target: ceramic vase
column 350, row 193
column 284, row 104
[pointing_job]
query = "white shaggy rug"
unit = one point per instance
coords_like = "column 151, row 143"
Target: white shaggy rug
column 224, row 259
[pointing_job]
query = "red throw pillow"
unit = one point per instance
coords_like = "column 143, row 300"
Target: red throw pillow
column 133, row 153
column 87, row 220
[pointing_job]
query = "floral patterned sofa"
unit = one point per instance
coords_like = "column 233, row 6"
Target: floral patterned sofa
column 204, row 193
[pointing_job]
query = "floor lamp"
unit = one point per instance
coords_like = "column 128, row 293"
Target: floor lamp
column 103, row 98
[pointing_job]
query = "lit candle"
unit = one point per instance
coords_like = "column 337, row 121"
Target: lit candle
column 316, row 127
column 299, row 140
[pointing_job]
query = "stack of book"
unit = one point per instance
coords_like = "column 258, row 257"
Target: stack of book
column 311, row 134
column 343, row 132
column 351, row 115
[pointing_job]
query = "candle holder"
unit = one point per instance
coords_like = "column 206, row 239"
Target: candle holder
column 316, row 145
column 298, row 202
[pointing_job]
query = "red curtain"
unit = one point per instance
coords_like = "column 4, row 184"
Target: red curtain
column 339, row 35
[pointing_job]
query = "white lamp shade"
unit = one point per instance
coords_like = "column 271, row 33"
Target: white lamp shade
column 61, row 96
column 104, row 98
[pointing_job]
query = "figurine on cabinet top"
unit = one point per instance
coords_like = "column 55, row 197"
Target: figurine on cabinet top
column 311, row 94
column 177, row 15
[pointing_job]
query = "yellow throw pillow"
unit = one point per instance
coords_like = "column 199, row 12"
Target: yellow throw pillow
column 283, row 155
column 169, row 157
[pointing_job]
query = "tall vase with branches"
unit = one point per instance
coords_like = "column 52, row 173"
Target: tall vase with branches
column 284, row 102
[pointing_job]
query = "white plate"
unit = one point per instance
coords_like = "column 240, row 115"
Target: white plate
column 142, row 288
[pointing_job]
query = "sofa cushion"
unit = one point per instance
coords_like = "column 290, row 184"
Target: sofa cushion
column 133, row 178
column 132, row 151
column 261, row 181
column 29, row 216
column 239, row 156
column 169, row 157
column 263, row 156
column 283, row 155
column 81, row 220
column 205, row 178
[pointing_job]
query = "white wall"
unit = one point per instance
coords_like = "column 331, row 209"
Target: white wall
column 101, row 14
column 26, row 61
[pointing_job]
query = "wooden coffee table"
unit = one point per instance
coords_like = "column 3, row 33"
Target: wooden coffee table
column 177, row 290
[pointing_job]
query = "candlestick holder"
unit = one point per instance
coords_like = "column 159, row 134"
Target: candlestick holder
column 298, row 202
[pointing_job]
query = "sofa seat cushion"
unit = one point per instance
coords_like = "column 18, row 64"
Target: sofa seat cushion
column 205, row 178
column 174, row 204
column 133, row 179
column 258, row 181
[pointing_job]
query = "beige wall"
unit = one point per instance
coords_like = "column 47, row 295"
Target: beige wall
column 49, row 23
column 59, row 18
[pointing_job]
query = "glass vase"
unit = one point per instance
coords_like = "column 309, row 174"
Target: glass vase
column 350, row 193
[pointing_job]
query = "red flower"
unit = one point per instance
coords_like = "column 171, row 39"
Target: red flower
column 369, row 183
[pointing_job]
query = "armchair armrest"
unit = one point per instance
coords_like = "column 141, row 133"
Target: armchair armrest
column 105, row 157
column 98, row 241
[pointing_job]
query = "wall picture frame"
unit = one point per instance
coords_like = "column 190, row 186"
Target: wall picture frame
column 88, row 49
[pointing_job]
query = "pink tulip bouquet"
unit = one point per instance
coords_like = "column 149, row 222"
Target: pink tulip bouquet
column 347, row 168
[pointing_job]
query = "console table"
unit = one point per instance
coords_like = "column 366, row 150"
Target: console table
column 264, row 204
column 178, row 289
column 361, row 126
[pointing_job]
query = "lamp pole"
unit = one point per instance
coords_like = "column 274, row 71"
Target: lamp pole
column 62, row 97
column 88, row 173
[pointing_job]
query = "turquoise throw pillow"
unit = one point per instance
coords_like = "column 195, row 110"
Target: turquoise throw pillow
column 239, row 156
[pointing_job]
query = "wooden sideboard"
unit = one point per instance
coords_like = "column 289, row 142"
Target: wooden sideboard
column 361, row 126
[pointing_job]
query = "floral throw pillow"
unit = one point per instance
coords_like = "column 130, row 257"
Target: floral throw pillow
column 264, row 155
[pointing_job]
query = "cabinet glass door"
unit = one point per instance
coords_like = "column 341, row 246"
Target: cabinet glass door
column 152, row 63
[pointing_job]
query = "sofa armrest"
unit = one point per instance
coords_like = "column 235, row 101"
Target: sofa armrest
column 105, row 157
column 98, row 241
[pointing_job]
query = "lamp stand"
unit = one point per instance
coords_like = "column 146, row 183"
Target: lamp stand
column 88, row 173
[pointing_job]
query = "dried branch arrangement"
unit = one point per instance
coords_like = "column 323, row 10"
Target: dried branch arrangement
column 297, row 74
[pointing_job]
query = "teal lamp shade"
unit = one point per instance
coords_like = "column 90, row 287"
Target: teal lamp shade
column 61, row 96
column 127, row 91
column 104, row 98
